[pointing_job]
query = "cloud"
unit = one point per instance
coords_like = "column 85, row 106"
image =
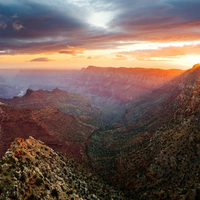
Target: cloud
column 2, row 25
column 40, row 60
column 40, row 20
column 168, row 53
column 14, row 16
column 17, row 26
column 89, row 57
column 52, row 26
column 159, row 20
column 72, row 51
column 120, row 57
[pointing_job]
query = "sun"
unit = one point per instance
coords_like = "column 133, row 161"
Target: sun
column 99, row 19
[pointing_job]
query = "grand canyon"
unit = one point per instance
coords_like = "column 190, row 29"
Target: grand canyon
column 140, row 138
column 99, row 100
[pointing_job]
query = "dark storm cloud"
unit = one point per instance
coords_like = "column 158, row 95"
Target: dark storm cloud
column 34, row 26
column 38, row 21
column 159, row 20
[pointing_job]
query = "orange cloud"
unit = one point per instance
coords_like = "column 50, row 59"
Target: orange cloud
column 164, row 52
column 72, row 51
column 89, row 57
column 120, row 57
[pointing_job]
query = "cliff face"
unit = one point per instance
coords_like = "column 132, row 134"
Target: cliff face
column 74, row 104
column 62, row 132
column 156, row 155
column 31, row 170
column 123, row 84
column 109, row 89
column 173, row 101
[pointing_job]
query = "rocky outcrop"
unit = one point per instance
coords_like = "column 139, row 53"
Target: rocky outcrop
column 74, row 104
column 60, row 131
column 31, row 170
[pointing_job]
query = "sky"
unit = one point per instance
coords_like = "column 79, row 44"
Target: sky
column 72, row 34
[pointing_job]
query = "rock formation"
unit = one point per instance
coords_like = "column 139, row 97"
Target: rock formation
column 123, row 84
column 31, row 170
column 62, row 132
column 74, row 104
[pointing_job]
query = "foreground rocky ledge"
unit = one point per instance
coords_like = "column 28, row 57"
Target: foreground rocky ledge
column 32, row 170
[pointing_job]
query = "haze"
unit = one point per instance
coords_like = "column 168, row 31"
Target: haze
column 71, row 34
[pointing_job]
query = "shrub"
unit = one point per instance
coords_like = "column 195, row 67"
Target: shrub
column 21, row 167
column 23, row 177
column 5, row 173
column 32, row 197
column 54, row 193
column 46, row 187
column 38, row 181
column 1, row 189
column 70, row 192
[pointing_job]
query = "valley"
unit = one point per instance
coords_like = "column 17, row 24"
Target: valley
column 107, row 89
column 137, row 128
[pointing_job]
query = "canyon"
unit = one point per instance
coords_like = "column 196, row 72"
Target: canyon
column 153, row 153
column 137, row 128
column 108, row 89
